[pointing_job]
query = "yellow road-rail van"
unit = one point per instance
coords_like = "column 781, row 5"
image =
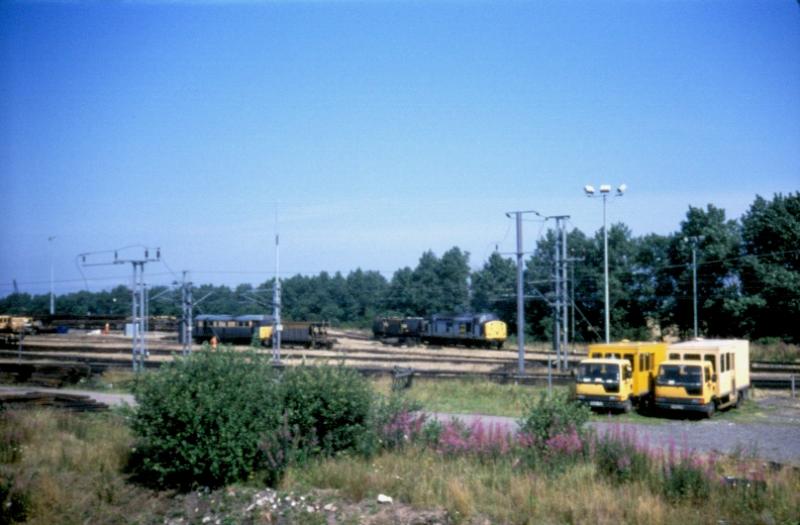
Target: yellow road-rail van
column 620, row 375
column 704, row 375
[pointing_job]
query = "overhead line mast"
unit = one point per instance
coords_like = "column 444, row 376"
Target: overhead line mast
column 276, row 299
column 138, row 302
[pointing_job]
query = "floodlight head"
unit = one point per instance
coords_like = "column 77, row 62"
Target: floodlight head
column 589, row 190
column 622, row 189
column 605, row 188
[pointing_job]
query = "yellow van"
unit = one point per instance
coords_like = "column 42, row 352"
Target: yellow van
column 633, row 363
column 704, row 375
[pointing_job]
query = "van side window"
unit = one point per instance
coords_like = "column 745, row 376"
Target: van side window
column 733, row 361
column 708, row 373
column 630, row 359
column 642, row 362
column 692, row 357
column 711, row 359
column 723, row 363
column 596, row 354
column 674, row 356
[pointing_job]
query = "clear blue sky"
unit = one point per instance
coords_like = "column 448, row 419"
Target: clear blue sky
column 383, row 129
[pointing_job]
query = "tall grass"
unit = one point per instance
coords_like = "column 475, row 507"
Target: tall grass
column 70, row 467
column 472, row 490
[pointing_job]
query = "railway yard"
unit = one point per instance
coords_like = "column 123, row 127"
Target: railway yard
column 58, row 359
column 54, row 355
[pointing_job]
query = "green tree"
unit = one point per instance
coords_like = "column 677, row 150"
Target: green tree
column 770, row 271
column 718, row 250
column 494, row 288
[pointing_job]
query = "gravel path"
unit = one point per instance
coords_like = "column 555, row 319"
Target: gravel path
column 777, row 438
column 101, row 397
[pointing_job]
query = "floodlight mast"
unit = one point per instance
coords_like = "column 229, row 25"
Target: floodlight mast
column 605, row 190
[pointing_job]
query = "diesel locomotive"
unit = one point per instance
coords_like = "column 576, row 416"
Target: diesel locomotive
column 481, row 330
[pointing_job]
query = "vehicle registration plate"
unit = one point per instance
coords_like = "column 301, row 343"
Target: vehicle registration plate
column 676, row 407
column 595, row 403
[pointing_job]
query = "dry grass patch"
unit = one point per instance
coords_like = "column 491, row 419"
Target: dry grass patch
column 70, row 467
column 473, row 491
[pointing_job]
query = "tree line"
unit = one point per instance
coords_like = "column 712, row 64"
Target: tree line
column 748, row 283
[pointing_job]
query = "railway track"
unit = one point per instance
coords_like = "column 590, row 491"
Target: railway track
column 356, row 350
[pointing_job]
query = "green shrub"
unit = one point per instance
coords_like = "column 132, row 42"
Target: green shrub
column 200, row 419
column 685, row 480
column 330, row 406
column 551, row 415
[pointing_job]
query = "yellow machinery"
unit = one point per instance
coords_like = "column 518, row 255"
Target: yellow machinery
column 620, row 375
column 704, row 375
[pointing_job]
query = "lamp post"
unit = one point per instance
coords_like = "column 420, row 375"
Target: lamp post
column 52, row 296
column 605, row 190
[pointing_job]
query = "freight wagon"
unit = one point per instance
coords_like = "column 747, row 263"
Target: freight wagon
column 400, row 330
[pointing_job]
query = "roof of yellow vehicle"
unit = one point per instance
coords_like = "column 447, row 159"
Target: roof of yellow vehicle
column 684, row 362
column 605, row 360
column 625, row 344
column 706, row 343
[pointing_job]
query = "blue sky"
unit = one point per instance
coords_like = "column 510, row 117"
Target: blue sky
column 380, row 129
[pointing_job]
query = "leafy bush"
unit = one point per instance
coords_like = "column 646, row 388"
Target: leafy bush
column 329, row 405
column 200, row 419
column 551, row 415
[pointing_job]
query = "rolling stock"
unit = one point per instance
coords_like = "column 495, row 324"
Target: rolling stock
column 466, row 329
column 230, row 329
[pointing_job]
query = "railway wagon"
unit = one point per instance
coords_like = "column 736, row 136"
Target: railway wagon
column 704, row 376
column 305, row 334
column 483, row 329
column 230, row 329
column 403, row 330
